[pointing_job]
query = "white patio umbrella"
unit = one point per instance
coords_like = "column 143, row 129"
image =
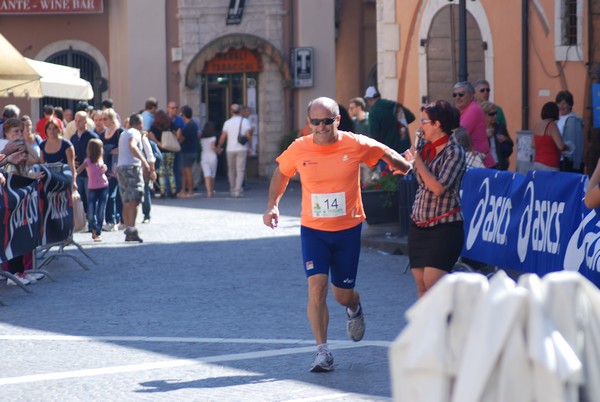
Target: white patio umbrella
column 23, row 77
column 17, row 77
column 61, row 81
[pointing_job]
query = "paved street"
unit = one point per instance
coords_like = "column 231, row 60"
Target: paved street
column 211, row 307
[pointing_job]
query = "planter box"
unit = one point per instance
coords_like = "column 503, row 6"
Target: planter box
column 380, row 206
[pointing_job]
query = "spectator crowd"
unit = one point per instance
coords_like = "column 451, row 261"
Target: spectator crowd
column 116, row 163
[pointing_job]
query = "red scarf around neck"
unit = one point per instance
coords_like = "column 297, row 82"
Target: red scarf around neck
column 429, row 149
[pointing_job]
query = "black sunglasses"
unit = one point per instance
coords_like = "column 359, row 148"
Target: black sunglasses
column 492, row 113
column 482, row 90
column 455, row 94
column 326, row 121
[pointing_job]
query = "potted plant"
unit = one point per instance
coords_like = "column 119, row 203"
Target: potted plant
column 380, row 198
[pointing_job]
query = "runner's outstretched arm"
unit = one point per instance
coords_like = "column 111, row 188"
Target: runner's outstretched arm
column 279, row 183
column 397, row 162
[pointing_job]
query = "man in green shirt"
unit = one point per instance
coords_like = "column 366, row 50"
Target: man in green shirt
column 384, row 125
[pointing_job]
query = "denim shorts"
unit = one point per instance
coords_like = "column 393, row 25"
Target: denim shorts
column 131, row 183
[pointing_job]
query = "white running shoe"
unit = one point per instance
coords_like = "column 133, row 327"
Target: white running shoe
column 355, row 326
column 110, row 227
column 34, row 276
column 21, row 277
column 323, row 362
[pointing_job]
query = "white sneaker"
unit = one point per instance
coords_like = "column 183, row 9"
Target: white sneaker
column 34, row 276
column 323, row 362
column 21, row 277
column 355, row 326
column 110, row 227
column 122, row 226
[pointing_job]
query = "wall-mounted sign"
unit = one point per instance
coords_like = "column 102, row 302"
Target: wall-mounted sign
column 235, row 12
column 234, row 61
column 51, row 6
column 596, row 104
column 302, row 66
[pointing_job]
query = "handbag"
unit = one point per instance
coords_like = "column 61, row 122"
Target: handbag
column 168, row 142
column 242, row 139
column 79, row 221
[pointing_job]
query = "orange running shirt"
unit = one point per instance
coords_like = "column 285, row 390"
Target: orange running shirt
column 330, row 178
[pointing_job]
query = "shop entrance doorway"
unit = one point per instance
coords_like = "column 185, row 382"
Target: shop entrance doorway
column 231, row 77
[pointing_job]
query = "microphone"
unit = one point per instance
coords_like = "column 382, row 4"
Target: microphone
column 419, row 139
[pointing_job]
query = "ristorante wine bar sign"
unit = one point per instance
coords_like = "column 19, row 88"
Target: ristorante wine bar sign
column 51, row 6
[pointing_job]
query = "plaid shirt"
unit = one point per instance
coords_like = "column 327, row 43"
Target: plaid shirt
column 448, row 167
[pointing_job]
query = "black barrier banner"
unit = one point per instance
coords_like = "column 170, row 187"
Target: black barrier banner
column 19, row 210
column 56, row 204
column 35, row 212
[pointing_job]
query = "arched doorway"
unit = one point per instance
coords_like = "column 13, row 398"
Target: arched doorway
column 235, row 83
column 88, row 69
column 231, row 77
column 442, row 52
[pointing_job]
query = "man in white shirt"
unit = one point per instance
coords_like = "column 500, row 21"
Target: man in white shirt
column 130, row 174
column 236, row 152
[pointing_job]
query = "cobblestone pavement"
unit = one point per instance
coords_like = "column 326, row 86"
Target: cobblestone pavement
column 211, row 307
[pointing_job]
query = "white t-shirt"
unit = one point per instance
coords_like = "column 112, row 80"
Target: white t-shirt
column 232, row 128
column 125, row 156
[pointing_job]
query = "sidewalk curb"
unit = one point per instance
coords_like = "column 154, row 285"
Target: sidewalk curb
column 386, row 238
column 396, row 245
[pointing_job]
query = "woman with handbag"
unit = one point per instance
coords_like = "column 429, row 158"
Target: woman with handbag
column 163, row 131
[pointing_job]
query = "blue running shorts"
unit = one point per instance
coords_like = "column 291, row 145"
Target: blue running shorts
column 339, row 251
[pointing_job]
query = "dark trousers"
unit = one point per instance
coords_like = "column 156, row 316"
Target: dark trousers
column 147, row 203
column 178, row 171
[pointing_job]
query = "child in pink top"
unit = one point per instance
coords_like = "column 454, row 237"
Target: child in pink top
column 97, row 194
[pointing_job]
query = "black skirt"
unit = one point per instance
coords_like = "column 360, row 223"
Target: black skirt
column 437, row 246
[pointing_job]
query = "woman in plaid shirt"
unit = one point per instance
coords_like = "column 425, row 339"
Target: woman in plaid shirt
column 436, row 235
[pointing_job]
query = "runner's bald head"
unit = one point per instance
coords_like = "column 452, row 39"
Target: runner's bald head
column 326, row 103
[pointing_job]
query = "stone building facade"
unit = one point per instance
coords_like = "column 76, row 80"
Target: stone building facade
column 185, row 51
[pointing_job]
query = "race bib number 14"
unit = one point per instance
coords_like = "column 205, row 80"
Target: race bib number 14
column 328, row 205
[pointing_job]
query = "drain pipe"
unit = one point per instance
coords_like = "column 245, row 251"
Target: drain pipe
column 463, row 74
column 525, row 64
